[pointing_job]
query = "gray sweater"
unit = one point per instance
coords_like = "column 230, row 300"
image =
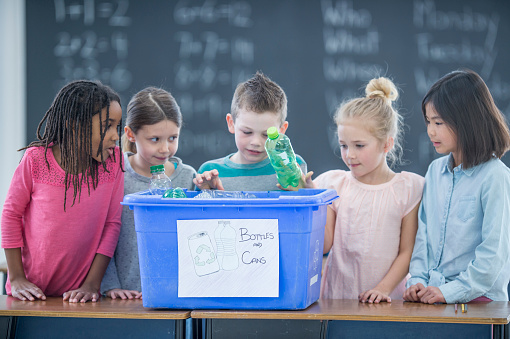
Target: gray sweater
column 123, row 270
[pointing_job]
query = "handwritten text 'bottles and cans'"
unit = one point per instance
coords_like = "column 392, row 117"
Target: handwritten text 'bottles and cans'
column 283, row 158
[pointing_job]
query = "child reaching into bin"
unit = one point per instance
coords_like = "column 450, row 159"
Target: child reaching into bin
column 151, row 137
column 61, row 216
column 462, row 248
column 258, row 103
column 370, row 229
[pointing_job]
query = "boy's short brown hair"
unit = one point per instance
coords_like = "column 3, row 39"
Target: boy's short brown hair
column 259, row 94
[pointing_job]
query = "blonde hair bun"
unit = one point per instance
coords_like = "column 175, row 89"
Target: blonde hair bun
column 381, row 88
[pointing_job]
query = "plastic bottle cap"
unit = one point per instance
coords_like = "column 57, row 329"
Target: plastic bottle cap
column 272, row 133
column 157, row 168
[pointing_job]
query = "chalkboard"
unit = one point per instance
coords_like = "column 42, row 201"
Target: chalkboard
column 320, row 52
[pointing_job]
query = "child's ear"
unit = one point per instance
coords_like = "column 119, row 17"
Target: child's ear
column 389, row 144
column 284, row 127
column 129, row 134
column 230, row 123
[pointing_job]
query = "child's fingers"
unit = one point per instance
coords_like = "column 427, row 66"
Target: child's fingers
column 36, row 291
column 219, row 185
column 23, row 295
column 95, row 297
column 74, row 296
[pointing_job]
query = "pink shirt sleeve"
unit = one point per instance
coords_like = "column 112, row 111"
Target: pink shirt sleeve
column 112, row 226
column 415, row 183
column 18, row 197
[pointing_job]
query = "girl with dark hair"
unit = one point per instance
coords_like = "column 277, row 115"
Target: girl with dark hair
column 151, row 137
column 56, row 245
column 462, row 247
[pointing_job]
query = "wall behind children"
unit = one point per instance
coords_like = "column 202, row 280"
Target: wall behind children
column 12, row 91
column 320, row 52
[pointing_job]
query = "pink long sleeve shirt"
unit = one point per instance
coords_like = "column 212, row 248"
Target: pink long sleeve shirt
column 58, row 246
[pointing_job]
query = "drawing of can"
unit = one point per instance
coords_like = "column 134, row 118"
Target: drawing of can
column 202, row 254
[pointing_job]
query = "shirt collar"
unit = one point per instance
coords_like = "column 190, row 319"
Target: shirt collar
column 448, row 167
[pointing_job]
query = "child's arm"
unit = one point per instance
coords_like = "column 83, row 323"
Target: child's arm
column 21, row 288
column 208, row 180
column 89, row 290
column 400, row 266
column 329, row 231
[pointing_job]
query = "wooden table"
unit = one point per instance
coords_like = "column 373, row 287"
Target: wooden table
column 221, row 322
column 109, row 318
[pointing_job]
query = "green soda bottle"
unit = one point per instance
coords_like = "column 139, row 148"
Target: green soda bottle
column 283, row 158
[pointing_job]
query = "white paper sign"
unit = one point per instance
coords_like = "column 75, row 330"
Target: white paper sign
column 228, row 258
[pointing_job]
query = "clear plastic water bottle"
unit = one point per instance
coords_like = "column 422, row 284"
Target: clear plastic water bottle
column 216, row 194
column 283, row 158
column 160, row 182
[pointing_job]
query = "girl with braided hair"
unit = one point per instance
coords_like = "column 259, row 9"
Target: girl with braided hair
column 57, row 243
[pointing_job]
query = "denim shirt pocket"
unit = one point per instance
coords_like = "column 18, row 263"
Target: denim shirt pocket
column 466, row 207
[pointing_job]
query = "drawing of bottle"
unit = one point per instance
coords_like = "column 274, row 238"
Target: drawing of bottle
column 219, row 243
column 202, row 254
column 228, row 238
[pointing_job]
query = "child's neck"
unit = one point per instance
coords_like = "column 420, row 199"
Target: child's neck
column 142, row 168
column 378, row 176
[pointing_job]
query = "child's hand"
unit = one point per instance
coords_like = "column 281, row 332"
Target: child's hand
column 431, row 295
column 305, row 182
column 24, row 289
column 373, row 297
column 123, row 294
column 82, row 294
column 209, row 180
column 411, row 294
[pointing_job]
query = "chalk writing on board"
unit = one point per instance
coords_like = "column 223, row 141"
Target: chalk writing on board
column 210, row 61
column 238, row 14
column 351, row 40
column 444, row 38
column 78, row 55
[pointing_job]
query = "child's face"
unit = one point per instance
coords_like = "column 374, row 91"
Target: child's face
column 250, row 130
column 441, row 135
column 362, row 152
column 111, row 137
column 155, row 144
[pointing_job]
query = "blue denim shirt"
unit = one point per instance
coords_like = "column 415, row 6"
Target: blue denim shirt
column 463, row 240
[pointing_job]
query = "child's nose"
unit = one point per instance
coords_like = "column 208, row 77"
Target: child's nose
column 430, row 130
column 165, row 147
column 116, row 136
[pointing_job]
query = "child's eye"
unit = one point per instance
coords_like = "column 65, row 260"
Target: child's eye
column 246, row 132
column 172, row 138
column 343, row 146
column 360, row 146
column 154, row 139
column 439, row 123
